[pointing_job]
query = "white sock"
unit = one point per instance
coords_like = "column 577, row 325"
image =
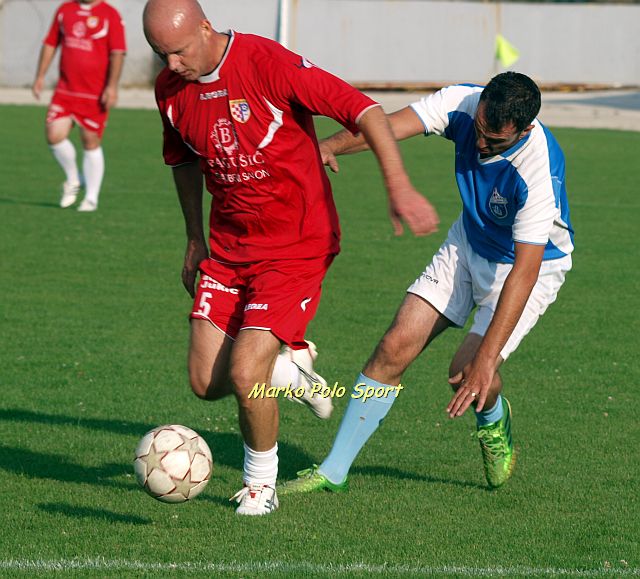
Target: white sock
column 261, row 467
column 93, row 171
column 285, row 372
column 65, row 153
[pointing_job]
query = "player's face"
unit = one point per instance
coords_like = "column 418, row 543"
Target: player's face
column 490, row 142
column 184, row 54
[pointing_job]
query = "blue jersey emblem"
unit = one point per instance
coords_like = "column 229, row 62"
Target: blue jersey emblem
column 498, row 205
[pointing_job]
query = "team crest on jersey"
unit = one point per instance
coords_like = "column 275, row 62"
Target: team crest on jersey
column 240, row 110
column 224, row 137
column 92, row 22
column 79, row 29
column 498, row 204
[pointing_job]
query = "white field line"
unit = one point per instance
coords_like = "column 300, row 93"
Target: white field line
column 100, row 564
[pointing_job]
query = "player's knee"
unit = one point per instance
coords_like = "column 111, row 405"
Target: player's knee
column 243, row 380
column 200, row 387
column 203, row 386
column 391, row 351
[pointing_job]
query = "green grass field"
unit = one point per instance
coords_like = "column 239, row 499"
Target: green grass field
column 94, row 338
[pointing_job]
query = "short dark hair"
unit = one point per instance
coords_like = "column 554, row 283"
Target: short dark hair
column 510, row 97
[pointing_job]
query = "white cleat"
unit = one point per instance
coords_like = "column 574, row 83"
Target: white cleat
column 87, row 206
column 69, row 194
column 256, row 499
column 320, row 405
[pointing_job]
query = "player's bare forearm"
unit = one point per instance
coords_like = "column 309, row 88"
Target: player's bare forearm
column 404, row 124
column 345, row 143
column 478, row 375
column 44, row 61
column 188, row 181
column 110, row 93
column 376, row 130
column 513, row 299
column 405, row 203
column 116, row 63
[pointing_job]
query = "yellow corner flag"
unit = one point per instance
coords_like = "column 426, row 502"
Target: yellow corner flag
column 506, row 53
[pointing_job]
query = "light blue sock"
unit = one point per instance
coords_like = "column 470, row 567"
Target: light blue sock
column 360, row 421
column 492, row 415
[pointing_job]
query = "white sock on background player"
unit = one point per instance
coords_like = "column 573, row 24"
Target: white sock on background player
column 65, row 153
column 93, row 171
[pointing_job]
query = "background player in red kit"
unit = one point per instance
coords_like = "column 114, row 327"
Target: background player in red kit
column 238, row 109
column 91, row 36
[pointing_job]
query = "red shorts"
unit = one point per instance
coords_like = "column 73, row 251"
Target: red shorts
column 86, row 112
column 281, row 296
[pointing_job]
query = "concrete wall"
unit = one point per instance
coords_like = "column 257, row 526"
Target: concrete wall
column 384, row 41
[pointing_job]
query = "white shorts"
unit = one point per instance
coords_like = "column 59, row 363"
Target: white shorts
column 458, row 280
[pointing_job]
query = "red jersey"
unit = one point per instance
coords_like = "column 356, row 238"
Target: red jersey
column 88, row 34
column 249, row 122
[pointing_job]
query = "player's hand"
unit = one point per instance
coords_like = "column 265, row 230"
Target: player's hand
column 36, row 88
column 328, row 158
column 408, row 206
column 472, row 387
column 109, row 97
column 196, row 252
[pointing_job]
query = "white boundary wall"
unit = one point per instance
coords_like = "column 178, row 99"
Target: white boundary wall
column 384, row 41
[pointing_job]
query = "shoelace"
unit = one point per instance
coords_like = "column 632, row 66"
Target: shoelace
column 256, row 488
column 492, row 442
column 308, row 472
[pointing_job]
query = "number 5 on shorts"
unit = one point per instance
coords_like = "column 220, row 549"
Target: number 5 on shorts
column 204, row 307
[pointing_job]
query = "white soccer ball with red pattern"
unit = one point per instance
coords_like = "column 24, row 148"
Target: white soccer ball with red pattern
column 173, row 463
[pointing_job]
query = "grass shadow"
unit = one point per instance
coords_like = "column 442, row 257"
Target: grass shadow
column 41, row 465
column 404, row 475
column 49, row 204
column 227, row 448
column 89, row 513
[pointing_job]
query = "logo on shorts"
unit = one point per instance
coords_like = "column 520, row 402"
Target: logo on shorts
column 209, row 283
column 498, row 204
column 240, row 110
column 256, row 307
column 303, row 304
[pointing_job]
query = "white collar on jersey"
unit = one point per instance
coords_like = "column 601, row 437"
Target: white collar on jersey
column 215, row 73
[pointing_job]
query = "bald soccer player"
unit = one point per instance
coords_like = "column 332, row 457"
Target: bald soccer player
column 237, row 108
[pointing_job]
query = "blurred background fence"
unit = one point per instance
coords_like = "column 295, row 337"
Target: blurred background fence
column 386, row 43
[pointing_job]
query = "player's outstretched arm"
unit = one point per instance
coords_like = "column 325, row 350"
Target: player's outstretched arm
column 188, row 180
column 405, row 203
column 44, row 61
column 478, row 375
column 404, row 124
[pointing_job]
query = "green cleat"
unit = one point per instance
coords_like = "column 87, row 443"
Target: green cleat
column 498, row 454
column 309, row 481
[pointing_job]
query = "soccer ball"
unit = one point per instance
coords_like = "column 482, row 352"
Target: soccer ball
column 173, row 463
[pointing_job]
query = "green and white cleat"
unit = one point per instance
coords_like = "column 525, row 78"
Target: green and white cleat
column 310, row 481
column 498, row 454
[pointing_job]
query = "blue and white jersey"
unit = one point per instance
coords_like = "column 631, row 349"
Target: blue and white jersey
column 518, row 195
